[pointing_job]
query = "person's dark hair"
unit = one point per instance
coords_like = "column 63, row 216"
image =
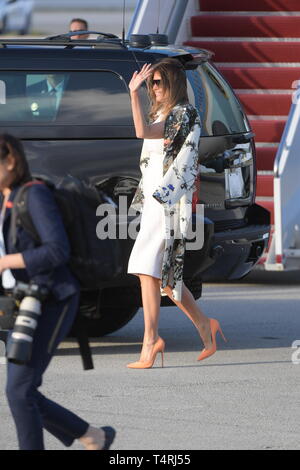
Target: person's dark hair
column 80, row 20
column 173, row 81
column 12, row 146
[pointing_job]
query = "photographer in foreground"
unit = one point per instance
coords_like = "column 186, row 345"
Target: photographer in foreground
column 53, row 296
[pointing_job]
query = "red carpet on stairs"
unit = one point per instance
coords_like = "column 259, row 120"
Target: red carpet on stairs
column 246, row 26
column 265, row 185
column 267, row 130
column 243, row 51
column 249, row 5
column 265, row 157
column 261, row 78
column 268, row 104
column 260, row 42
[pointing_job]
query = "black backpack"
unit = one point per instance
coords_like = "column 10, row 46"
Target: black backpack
column 93, row 260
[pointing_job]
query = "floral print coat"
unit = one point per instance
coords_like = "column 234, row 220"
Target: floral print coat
column 175, row 190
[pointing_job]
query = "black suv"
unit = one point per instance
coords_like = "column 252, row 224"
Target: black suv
column 91, row 136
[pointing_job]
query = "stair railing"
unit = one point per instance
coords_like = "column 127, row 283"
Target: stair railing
column 284, row 253
column 171, row 17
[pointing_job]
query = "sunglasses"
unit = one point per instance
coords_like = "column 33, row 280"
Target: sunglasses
column 156, row 82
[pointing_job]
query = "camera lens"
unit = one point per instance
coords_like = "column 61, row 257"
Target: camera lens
column 20, row 344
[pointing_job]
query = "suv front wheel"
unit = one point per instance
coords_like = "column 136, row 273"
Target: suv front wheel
column 107, row 311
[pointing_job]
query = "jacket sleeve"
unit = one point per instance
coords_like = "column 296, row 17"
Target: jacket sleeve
column 181, row 158
column 54, row 249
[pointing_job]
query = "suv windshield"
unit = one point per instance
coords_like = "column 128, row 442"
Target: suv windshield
column 62, row 98
column 220, row 110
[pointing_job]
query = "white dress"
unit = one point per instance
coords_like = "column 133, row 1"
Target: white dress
column 172, row 174
column 147, row 254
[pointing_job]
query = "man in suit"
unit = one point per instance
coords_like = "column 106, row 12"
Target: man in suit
column 44, row 97
column 78, row 24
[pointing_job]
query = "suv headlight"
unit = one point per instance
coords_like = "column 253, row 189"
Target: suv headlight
column 239, row 173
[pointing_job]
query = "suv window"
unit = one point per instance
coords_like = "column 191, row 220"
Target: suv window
column 219, row 108
column 62, row 98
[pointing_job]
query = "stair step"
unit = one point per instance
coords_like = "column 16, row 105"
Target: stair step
column 249, row 5
column 266, row 104
column 264, row 185
column 280, row 78
column 244, row 51
column 246, row 26
column 267, row 204
column 267, row 130
column 265, row 157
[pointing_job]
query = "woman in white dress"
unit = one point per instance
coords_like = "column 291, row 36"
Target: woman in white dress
column 169, row 165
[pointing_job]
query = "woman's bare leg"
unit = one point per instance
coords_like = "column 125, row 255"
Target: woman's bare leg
column 150, row 287
column 189, row 306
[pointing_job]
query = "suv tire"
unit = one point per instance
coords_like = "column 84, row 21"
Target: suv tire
column 108, row 311
column 112, row 319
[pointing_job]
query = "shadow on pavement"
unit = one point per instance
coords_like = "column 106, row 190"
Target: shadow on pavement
column 113, row 345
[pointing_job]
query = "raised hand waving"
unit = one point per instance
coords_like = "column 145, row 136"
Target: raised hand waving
column 139, row 77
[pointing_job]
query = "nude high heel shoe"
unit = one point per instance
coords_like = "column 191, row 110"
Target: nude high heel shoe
column 159, row 346
column 214, row 327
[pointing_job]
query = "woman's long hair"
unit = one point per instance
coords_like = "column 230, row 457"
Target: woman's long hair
column 173, row 81
column 12, row 146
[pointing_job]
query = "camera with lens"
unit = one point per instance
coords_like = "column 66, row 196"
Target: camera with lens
column 30, row 298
